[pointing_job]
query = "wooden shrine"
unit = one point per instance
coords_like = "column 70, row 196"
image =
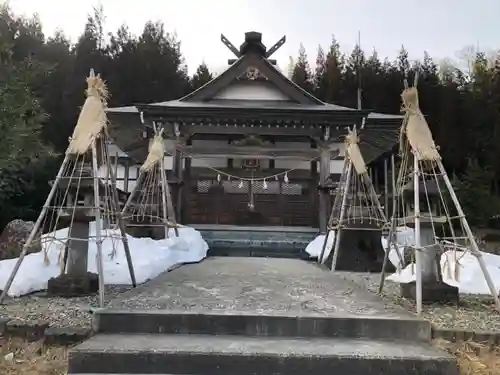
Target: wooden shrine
column 251, row 147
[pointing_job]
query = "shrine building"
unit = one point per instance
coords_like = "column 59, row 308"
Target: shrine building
column 251, row 148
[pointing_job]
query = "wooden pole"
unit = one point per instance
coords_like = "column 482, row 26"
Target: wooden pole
column 386, row 188
column 121, row 226
column 386, row 255
column 336, row 240
column 116, row 164
column 138, row 183
column 167, row 200
column 371, row 190
column 126, row 174
column 393, row 177
column 35, row 230
column 98, row 226
column 392, row 232
column 336, row 203
column 324, row 171
column 418, row 250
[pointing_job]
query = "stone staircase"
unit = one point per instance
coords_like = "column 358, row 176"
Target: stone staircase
column 225, row 343
column 275, row 242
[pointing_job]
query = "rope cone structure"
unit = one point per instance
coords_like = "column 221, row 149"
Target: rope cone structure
column 356, row 205
column 80, row 196
column 150, row 203
column 426, row 201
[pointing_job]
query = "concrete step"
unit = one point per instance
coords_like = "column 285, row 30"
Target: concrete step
column 255, row 242
column 234, row 250
column 285, row 243
column 260, row 234
column 229, row 355
column 262, row 325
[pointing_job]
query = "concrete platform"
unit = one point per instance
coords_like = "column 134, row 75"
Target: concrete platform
column 228, row 355
column 257, row 297
column 256, row 286
column 256, row 316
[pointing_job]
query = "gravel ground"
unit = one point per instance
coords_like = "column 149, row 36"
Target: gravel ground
column 59, row 312
column 475, row 313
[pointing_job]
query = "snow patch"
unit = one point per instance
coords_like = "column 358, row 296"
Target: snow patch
column 468, row 278
column 149, row 257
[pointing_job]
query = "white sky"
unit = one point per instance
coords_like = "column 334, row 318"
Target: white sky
column 442, row 27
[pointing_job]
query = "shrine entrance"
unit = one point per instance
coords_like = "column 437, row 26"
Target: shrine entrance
column 247, row 203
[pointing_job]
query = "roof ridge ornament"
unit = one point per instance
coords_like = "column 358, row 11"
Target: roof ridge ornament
column 252, row 74
column 253, row 43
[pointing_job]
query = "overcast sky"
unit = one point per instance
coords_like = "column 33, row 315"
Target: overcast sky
column 441, row 27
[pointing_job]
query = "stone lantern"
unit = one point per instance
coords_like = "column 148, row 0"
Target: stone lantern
column 433, row 222
column 77, row 211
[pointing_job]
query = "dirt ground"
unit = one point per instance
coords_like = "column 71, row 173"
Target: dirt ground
column 18, row 357
column 473, row 358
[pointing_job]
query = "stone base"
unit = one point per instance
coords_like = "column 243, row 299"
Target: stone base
column 31, row 331
column 431, row 292
column 65, row 336
column 154, row 232
column 73, row 286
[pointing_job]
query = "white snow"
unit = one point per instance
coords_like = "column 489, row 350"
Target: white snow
column 469, row 277
column 315, row 246
column 149, row 257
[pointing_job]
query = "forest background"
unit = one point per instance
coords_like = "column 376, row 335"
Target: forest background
column 42, row 83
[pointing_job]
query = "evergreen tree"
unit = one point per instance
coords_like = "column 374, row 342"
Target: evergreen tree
column 319, row 74
column 429, row 92
column 373, row 80
column 42, row 80
column 290, row 67
column 302, row 75
column 21, row 118
column 201, row 77
column 402, row 62
column 353, row 73
column 474, row 191
column 334, row 79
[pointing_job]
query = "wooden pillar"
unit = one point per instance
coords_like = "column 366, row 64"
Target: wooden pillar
column 393, row 174
column 313, row 194
column 126, row 175
column 324, row 201
column 393, row 182
column 186, row 187
column 313, row 191
column 386, row 188
column 177, row 172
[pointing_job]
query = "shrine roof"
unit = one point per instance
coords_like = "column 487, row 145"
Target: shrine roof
column 235, row 103
column 251, row 82
column 252, row 87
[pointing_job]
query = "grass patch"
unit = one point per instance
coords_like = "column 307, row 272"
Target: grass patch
column 473, row 358
column 31, row 358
